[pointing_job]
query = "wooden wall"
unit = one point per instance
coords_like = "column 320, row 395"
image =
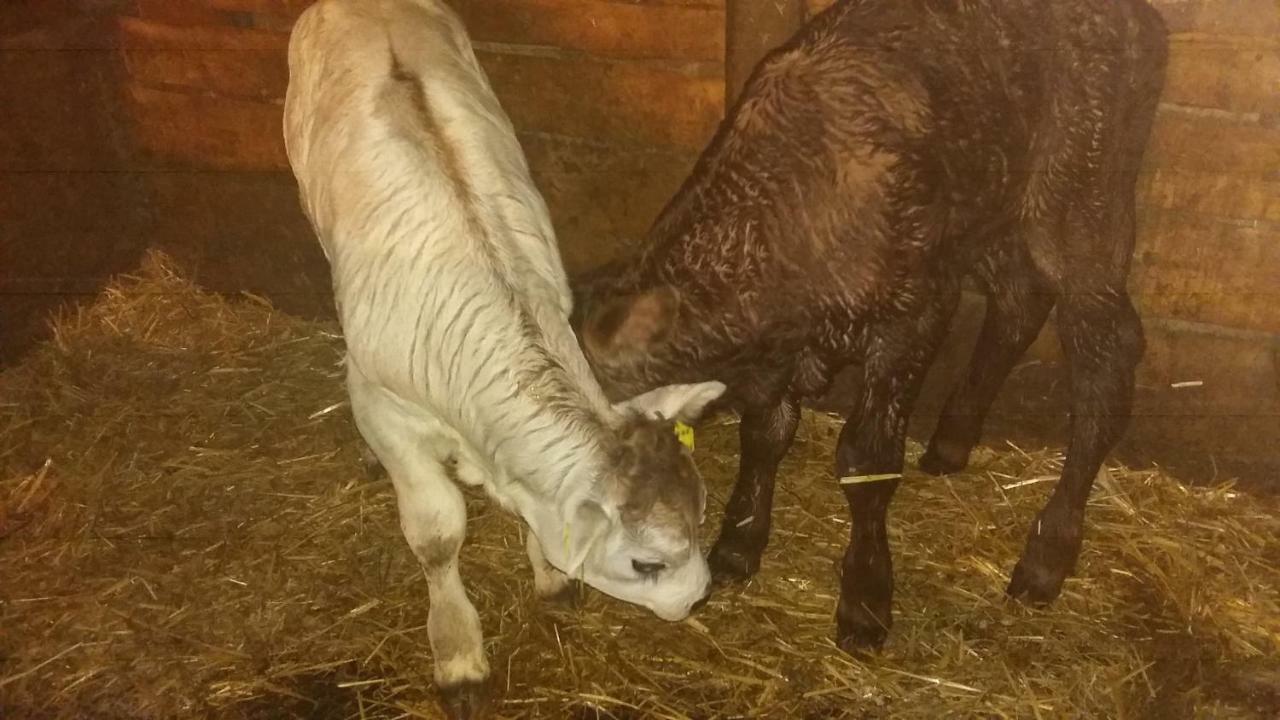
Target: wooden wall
column 68, row 207
column 614, row 99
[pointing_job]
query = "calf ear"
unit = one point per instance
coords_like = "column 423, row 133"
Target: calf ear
column 588, row 525
column 631, row 324
column 674, row 402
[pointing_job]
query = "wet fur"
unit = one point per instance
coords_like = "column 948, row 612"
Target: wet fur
column 889, row 151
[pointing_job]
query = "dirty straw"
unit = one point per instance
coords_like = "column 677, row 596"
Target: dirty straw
column 187, row 530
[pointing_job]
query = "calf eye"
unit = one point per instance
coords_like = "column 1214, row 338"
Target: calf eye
column 648, row 568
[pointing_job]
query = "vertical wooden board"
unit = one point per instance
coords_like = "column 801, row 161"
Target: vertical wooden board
column 229, row 61
column 600, row 27
column 753, row 28
column 602, row 199
column 1198, row 269
column 1230, row 73
column 625, row 103
column 214, row 132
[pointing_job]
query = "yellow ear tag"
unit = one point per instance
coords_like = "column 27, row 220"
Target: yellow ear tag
column 684, row 434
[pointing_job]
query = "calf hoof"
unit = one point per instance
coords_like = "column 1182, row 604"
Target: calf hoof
column 944, row 458
column 860, row 631
column 465, row 701
column 731, row 564
column 861, row 640
column 1035, row 584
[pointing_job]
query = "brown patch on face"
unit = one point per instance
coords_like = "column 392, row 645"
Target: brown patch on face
column 660, row 487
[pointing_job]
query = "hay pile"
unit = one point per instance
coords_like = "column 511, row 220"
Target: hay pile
column 186, row 530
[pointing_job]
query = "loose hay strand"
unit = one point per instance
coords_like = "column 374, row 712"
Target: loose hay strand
column 186, row 528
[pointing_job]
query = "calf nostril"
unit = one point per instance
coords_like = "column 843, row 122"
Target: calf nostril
column 698, row 605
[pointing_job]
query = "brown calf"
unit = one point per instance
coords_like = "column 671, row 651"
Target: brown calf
column 890, row 149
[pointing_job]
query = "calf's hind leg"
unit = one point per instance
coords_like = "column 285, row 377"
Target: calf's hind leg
column 1102, row 341
column 433, row 517
column 1018, row 302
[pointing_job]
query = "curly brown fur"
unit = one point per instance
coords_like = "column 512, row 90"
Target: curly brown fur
column 883, row 155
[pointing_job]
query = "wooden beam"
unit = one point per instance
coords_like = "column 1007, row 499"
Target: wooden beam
column 244, row 63
column 206, row 131
column 602, row 28
column 752, row 29
column 623, row 103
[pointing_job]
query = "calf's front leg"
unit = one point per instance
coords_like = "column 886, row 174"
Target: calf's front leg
column 764, row 436
column 871, row 444
column 548, row 582
column 433, row 517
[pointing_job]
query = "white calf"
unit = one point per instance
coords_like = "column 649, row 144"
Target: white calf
column 455, row 308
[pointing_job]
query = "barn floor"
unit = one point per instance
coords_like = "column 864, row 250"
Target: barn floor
column 186, row 530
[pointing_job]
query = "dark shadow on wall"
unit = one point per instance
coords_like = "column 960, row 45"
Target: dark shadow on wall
column 78, row 205
column 1199, row 433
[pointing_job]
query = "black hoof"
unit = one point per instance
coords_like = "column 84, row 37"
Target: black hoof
column 859, row 630
column 862, row 640
column 943, row 459
column 1034, row 585
column 465, row 701
column 730, row 564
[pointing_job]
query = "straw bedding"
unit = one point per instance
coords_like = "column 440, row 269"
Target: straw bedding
column 186, row 530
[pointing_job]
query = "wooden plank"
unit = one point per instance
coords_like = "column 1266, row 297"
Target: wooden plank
column 1256, row 18
column 214, row 132
column 279, row 8
column 180, row 12
column 601, row 27
column 623, row 103
column 1239, row 373
column 1208, row 142
column 235, row 62
column 683, row 29
column 752, row 29
column 1259, row 18
column 1231, row 195
column 1240, row 74
column 813, row 7
column 601, row 198
column 1194, row 268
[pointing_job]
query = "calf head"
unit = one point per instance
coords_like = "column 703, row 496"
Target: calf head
column 637, row 531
